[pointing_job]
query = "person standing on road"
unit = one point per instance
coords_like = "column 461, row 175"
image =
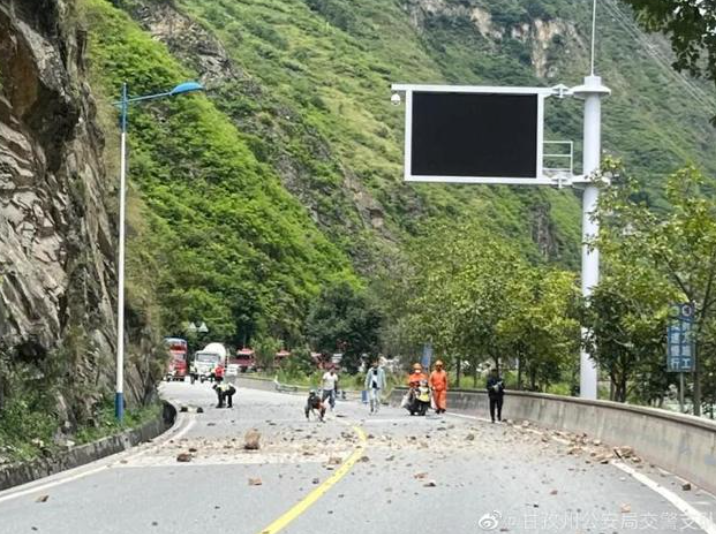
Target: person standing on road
column 496, row 394
column 439, row 387
column 374, row 383
column 330, row 382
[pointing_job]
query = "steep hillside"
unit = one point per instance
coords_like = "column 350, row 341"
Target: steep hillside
column 300, row 90
column 314, row 75
column 57, row 246
column 235, row 249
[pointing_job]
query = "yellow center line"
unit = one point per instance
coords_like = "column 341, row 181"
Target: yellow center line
column 310, row 499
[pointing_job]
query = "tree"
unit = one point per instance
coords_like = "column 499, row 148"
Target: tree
column 680, row 243
column 626, row 319
column 475, row 298
column 691, row 26
column 266, row 348
column 543, row 331
column 342, row 319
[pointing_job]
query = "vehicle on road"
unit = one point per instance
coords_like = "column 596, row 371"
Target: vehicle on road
column 418, row 400
column 206, row 361
column 178, row 355
column 244, row 361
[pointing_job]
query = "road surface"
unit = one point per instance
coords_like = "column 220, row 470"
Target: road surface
column 383, row 474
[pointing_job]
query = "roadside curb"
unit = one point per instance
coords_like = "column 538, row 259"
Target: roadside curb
column 23, row 473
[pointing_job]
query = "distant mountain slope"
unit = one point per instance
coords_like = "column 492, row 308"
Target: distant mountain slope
column 306, row 84
column 331, row 62
column 236, row 250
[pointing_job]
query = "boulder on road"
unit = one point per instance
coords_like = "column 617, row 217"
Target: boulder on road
column 251, row 440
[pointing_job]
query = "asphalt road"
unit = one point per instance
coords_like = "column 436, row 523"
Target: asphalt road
column 389, row 473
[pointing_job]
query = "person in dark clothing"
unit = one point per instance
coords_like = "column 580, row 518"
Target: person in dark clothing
column 496, row 394
column 225, row 393
column 315, row 405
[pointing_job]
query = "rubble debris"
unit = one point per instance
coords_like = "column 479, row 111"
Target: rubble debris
column 251, row 440
column 624, row 452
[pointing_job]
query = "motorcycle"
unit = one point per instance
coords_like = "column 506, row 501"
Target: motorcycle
column 417, row 400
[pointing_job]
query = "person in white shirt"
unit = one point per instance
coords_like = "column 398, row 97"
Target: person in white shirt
column 330, row 380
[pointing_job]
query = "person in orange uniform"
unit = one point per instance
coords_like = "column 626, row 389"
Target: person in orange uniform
column 416, row 376
column 439, row 385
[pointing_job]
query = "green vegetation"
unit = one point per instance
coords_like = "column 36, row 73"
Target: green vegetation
column 273, row 207
column 232, row 246
column 30, row 418
column 690, row 26
column 105, row 423
column 658, row 258
column 485, row 302
column 344, row 320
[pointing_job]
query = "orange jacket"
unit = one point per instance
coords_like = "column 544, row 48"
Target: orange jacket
column 415, row 378
column 439, row 380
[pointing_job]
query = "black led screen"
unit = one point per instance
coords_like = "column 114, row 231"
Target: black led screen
column 474, row 135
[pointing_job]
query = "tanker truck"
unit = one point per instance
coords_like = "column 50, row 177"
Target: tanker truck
column 206, row 360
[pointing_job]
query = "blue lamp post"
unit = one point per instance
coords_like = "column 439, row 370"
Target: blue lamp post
column 182, row 88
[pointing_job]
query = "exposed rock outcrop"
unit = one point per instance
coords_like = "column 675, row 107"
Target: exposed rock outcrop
column 57, row 245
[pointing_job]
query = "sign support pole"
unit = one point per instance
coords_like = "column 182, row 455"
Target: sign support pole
column 592, row 92
column 682, row 404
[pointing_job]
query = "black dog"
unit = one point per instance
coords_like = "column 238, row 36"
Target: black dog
column 315, row 405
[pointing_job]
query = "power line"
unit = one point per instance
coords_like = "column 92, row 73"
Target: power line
column 656, row 55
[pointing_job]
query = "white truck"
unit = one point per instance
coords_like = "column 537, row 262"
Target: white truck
column 206, row 360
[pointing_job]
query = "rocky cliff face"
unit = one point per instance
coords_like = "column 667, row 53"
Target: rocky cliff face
column 57, row 274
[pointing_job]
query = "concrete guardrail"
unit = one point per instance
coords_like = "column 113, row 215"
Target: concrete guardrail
column 22, row 473
column 682, row 444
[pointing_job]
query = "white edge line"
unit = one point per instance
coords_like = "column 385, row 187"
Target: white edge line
column 86, row 470
column 704, row 522
column 684, row 507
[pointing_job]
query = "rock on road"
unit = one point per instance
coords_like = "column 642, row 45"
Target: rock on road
column 432, row 474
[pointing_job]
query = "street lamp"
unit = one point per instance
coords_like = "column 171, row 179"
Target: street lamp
column 182, row 88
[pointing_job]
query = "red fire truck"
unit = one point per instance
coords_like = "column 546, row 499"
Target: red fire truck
column 243, row 361
column 178, row 352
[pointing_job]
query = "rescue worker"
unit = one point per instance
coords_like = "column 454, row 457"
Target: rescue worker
column 219, row 371
column 374, row 383
column 439, row 387
column 416, row 376
column 225, row 393
column 496, row 394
